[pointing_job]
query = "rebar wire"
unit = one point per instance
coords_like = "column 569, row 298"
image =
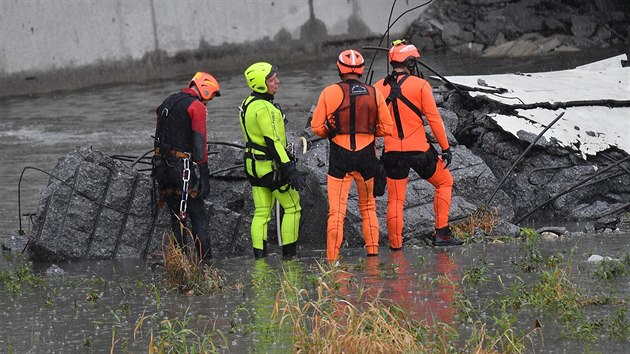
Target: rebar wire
column 228, row 169
column 578, row 185
column 226, row 143
column 141, row 157
column 624, row 206
column 616, row 210
column 21, row 231
column 521, row 156
column 389, row 27
column 441, row 77
column 612, row 159
column 389, row 21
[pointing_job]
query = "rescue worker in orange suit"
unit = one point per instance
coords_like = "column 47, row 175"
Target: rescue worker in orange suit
column 351, row 115
column 180, row 144
column 410, row 97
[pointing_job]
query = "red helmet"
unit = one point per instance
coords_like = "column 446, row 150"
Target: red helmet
column 206, row 84
column 350, row 61
column 400, row 52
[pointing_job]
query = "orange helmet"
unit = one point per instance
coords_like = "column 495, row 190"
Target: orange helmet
column 206, row 84
column 350, row 61
column 400, row 52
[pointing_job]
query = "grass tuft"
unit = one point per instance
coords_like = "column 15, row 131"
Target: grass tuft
column 484, row 219
column 186, row 271
column 338, row 316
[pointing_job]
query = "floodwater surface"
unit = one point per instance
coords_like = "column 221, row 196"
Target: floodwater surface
column 96, row 306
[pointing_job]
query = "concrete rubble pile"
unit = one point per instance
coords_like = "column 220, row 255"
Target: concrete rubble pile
column 507, row 28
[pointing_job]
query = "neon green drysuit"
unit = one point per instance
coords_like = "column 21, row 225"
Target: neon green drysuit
column 262, row 123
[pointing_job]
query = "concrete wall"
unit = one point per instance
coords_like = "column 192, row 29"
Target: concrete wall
column 43, row 35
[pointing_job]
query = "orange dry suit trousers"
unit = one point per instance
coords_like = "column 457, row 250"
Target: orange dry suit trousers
column 344, row 167
column 429, row 167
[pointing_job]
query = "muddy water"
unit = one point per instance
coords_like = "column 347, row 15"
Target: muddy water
column 97, row 303
column 57, row 316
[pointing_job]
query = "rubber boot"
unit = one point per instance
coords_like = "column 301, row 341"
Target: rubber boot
column 289, row 251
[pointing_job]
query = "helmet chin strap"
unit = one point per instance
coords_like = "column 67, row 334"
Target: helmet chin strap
column 414, row 69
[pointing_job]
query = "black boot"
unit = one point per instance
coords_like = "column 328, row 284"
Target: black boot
column 289, row 251
column 444, row 237
column 261, row 253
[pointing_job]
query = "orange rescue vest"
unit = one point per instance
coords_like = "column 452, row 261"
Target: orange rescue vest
column 357, row 111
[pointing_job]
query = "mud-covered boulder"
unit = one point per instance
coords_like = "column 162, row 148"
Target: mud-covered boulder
column 94, row 207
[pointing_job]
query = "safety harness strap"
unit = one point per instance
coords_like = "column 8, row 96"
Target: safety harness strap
column 265, row 156
column 395, row 94
column 173, row 153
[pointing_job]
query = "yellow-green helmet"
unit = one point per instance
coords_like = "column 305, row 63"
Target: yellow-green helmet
column 257, row 74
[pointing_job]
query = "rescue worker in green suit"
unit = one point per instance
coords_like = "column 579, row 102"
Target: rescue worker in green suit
column 270, row 169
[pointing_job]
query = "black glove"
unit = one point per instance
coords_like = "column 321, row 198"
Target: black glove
column 380, row 178
column 447, row 156
column 204, row 181
column 297, row 179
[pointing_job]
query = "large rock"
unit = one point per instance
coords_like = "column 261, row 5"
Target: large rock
column 94, row 208
column 475, row 25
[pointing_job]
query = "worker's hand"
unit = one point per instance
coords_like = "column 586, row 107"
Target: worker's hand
column 297, row 179
column 447, row 156
column 204, row 181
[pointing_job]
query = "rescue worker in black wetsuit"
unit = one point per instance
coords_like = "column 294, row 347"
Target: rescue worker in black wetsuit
column 180, row 144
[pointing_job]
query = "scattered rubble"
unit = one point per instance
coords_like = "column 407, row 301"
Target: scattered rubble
column 508, row 28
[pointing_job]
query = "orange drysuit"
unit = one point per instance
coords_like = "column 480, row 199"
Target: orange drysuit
column 351, row 115
column 409, row 98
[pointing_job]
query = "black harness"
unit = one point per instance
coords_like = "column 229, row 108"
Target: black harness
column 395, row 94
column 265, row 156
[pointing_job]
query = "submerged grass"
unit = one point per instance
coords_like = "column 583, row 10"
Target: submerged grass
column 20, row 279
column 339, row 316
column 185, row 270
column 175, row 336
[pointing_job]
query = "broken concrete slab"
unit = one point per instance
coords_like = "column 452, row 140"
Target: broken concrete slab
column 578, row 169
column 594, row 97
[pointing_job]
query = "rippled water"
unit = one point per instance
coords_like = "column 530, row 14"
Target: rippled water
column 94, row 302
column 36, row 131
